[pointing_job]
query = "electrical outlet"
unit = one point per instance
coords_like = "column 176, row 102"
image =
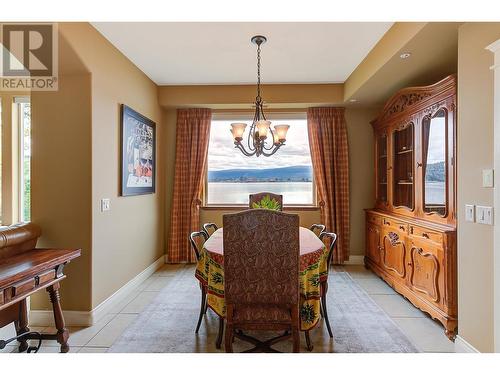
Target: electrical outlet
column 105, row 204
column 469, row 213
column 484, row 215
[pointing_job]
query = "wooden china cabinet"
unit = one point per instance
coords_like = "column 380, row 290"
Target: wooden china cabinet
column 411, row 232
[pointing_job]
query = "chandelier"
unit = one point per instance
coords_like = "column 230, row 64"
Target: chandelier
column 260, row 128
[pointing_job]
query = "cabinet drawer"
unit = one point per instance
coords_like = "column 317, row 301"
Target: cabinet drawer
column 395, row 225
column 23, row 287
column 374, row 219
column 423, row 233
column 45, row 277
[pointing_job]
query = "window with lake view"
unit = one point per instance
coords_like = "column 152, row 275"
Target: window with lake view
column 232, row 176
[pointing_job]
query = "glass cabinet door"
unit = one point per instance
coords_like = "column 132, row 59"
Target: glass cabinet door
column 382, row 168
column 434, row 163
column 403, row 176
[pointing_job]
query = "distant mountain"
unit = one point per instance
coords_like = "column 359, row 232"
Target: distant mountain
column 435, row 172
column 294, row 174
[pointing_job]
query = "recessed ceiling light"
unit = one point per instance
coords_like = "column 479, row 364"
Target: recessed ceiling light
column 405, row 55
column 353, row 100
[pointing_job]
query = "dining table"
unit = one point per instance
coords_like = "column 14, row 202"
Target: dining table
column 312, row 272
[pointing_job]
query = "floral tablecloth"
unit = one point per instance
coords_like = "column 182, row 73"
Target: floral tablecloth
column 313, row 263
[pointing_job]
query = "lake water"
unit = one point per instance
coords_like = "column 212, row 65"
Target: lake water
column 237, row 193
column 293, row 192
column 435, row 192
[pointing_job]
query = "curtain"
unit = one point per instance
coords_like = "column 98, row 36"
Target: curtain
column 329, row 153
column 193, row 130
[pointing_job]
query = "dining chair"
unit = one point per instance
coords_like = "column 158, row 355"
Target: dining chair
column 332, row 237
column 261, row 277
column 210, row 228
column 257, row 197
column 197, row 240
column 317, row 229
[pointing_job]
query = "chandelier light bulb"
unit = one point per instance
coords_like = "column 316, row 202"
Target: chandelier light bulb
column 262, row 128
column 276, row 140
column 238, row 128
column 281, row 131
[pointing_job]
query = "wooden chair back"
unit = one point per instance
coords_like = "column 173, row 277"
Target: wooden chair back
column 197, row 240
column 257, row 197
column 210, row 228
column 261, row 258
column 332, row 237
column 317, row 229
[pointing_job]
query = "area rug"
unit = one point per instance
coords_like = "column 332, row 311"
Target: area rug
column 167, row 325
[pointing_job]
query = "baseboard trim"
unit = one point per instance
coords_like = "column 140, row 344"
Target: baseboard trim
column 45, row 318
column 356, row 260
column 463, row 346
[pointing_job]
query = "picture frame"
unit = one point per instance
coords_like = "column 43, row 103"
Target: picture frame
column 138, row 153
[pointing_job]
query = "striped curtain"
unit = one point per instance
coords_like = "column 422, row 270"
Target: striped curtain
column 329, row 153
column 193, row 131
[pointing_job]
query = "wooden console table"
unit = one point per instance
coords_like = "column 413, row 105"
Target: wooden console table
column 24, row 270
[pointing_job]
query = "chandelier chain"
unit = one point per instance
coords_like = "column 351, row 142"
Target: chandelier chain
column 259, row 143
column 258, row 73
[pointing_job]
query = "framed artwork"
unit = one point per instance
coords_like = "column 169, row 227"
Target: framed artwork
column 138, row 139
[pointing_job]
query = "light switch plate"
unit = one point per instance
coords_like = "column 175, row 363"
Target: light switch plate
column 469, row 213
column 484, row 215
column 488, row 178
column 105, row 204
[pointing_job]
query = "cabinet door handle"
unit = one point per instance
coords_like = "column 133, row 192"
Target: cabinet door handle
column 425, row 235
column 419, row 165
column 409, row 263
column 402, row 227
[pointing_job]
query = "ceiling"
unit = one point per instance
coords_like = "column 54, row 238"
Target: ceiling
column 221, row 53
column 433, row 57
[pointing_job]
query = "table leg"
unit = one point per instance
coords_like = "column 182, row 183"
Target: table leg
column 220, row 334
column 21, row 325
column 62, row 332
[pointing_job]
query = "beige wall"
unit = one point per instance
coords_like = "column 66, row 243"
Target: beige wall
column 241, row 96
column 475, row 152
column 62, row 181
column 361, row 172
column 77, row 130
column 129, row 237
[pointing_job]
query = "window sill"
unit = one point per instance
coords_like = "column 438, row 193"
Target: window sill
column 244, row 207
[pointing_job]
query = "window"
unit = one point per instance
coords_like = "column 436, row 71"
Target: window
column 24, row 121
column 231, row 176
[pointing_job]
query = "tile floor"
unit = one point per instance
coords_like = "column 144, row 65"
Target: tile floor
column 425, row 333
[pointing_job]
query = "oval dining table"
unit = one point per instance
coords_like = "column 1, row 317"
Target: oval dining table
column 312, row 271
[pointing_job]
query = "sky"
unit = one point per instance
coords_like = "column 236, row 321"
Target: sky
column 223, row 155
column 437, row 135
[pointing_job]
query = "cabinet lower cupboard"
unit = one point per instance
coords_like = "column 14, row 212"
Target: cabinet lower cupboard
column 418, row 260
column 411, row 231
